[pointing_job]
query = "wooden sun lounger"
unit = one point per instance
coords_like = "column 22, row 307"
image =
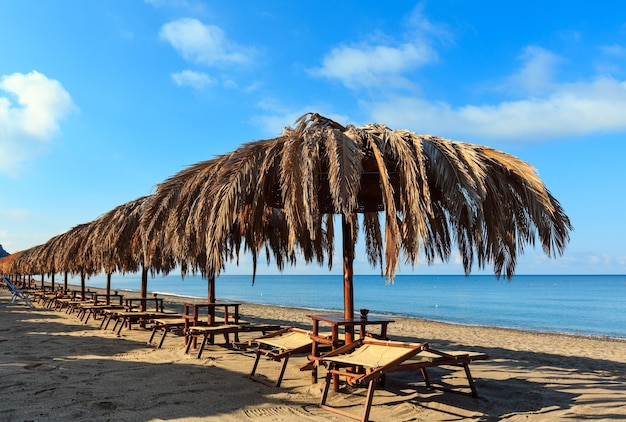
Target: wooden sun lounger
column 169, row 324
column 128, row 318
column 378, row 358
column 75, row 305
column 431, row 358
column 279, row 346
column 208, row 332
column 90, row 310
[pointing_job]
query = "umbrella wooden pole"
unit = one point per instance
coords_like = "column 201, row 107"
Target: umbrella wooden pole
column 65, row 282
column 144, row 286
column 348, row 276
column 211, row 296
column 82, row 285
column 108, row 288
column 42, row 284
column 52, row 279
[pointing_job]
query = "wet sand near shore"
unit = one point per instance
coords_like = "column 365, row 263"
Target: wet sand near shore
column 55, row 368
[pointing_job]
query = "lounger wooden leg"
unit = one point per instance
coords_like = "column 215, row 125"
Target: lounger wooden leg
column 282, row 371
column 119, row 330
column 326, row 388
column 204, row 340
column 106, row 321
column 162, row 338
column 426, row 379
column 470, row 380
column 368, row 401
column 152, row 334
column 256, row 363
column 189, row 342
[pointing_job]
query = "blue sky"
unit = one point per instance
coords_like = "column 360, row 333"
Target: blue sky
column 100, row 101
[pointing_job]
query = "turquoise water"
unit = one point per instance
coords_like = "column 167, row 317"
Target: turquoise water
column 576, row 304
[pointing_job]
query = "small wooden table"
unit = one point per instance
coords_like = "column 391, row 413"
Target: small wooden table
column 103, row 297
column 191, row 314
column 336, row 322
column 132, row 302
column 76, row 294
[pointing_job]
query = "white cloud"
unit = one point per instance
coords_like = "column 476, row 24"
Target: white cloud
column 14, row 213
column 374, row 66
column 29, row 116
column 615, row 50
column 197, row 80
column 570, row 110
column 204, row 44
column 536, row 73
column 381, row 63
column 545, row 109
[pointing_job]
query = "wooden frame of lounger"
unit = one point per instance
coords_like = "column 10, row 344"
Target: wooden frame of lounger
column 167, row 324
column 375, row 357
column 431, row 358
column 89, row 310
column 208, row 332
column 378, row 363
column 279, row 346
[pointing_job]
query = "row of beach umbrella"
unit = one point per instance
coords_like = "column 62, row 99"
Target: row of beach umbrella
column 414, row 198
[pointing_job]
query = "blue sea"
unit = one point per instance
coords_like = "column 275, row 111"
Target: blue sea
column 576, row 304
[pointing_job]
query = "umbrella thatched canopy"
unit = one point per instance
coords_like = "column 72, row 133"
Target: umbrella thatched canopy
column 113, row 242
column 435, row 196
column 28, row 263
column 73, row 255
column 6, row 263
column 115, row 238
column 163, row 223
column 49, row 256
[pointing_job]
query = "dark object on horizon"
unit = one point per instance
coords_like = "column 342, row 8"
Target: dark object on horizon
column 3, row 253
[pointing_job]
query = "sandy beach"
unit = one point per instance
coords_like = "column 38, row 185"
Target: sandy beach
column 55, row 368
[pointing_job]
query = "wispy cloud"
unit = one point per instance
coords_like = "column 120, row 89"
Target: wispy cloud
column 14, row 213
column 197, row 80
column 204, row 44
column 30, row 112
column 381, row 62
column 373, row 66
column 531, row 103
column 615, row 50
column 193, row 6
column 536, row 73
column 535, row 106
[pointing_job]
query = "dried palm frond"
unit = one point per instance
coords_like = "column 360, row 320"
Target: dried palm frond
column 436, row 196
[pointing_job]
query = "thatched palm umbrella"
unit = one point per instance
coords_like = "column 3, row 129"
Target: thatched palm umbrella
column 116, row 239
column 111, row 241
column 29, row 262
column 73, row 255
column 163, row 222
column 435, row 195
column 6, row 263
column 25, row 263
column 48, row 257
